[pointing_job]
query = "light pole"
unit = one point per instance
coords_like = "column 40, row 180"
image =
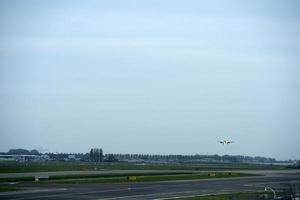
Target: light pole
column 269, row 188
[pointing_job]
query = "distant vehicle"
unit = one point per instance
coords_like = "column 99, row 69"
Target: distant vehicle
column 225, row 142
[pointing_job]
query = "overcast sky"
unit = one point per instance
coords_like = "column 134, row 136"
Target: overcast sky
column 157, row 77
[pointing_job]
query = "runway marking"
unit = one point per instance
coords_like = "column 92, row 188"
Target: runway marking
column 197, row 195
column 78, row 193
column 8, row 183
column 154, row 194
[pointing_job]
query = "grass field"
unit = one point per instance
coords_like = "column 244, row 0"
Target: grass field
column 146, row 178
column 18, row 179
column 8, row 188
column 15, row 167
column 90, row 176
column 128, row 177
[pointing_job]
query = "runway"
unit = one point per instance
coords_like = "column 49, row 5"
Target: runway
column 150, row 190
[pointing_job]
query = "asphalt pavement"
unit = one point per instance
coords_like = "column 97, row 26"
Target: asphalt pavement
column 151, row 190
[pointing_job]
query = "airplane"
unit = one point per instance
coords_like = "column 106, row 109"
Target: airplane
column 225, row 142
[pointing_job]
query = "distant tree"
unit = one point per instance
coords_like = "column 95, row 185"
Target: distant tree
column 19, row 151
column 101, row 155
column 96, row 155
column 91, row 155
column 111, row 158
column 34, row 152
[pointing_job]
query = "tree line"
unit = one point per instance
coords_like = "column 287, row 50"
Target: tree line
column 97, row 155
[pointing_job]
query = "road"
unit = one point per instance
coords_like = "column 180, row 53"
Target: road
column 153, row 190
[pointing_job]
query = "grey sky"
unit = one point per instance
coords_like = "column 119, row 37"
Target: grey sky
column 151, row 77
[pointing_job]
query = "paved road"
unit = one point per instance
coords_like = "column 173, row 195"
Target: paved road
column 153, row 190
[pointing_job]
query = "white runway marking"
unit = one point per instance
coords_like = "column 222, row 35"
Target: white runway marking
column 196, row 195
column 149, row 195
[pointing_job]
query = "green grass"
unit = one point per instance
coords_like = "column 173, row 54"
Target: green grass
column 109, row 175
column 144, row 178
column 122, row 177
column 15, row 167
column 90, row 176
column 8, row 188
column 235, row 196
column 17, row 179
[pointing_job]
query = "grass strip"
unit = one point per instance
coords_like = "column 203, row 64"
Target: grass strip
column 8, row 188
column 146, row 178
column 90, row 176
column 17, row 179
column 115, row 175
column 15, row 167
